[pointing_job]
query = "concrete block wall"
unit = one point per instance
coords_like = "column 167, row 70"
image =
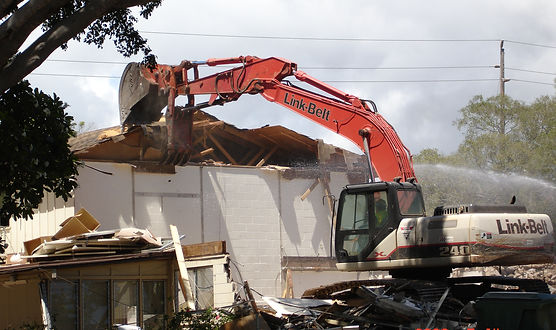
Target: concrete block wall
column 242, row 206
column 255, row 210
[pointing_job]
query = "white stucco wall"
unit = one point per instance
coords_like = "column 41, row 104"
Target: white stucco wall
column 255, row 210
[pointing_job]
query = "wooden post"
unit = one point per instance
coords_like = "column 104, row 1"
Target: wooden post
column 288, row 291
column 250, row 296
column 184, row 277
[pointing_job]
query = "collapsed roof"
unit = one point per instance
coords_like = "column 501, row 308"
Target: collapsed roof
column 214, row 142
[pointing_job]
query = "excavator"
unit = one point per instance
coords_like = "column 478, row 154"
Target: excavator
column 381, row 224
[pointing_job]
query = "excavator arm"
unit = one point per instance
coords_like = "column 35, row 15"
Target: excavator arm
column 145, row 92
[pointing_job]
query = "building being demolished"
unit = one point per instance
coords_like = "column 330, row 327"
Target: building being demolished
column 266, row 192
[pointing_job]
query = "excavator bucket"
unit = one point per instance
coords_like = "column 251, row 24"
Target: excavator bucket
column 140, row 101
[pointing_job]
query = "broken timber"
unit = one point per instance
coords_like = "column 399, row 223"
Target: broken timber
column 184, row 277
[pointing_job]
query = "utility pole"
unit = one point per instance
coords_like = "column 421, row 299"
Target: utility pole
column 503, row 80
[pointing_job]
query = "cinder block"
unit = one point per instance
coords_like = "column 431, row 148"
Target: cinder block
column 223, row 288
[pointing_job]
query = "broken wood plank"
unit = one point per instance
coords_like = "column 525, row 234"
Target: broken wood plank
column 257, row 156
column 250, row 296
column 184, row 276
column 308, row 191
column 204, row 249
column 288, row 291
column 267, row 156
column 206, row 151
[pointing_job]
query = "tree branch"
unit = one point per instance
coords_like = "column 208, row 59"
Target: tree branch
column 15, row 30
column 6, row 7
column 38, row 51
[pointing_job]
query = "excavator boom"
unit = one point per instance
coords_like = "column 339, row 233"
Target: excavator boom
column 144, row 93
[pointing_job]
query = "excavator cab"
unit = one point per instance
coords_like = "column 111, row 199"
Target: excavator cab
column 369, row 212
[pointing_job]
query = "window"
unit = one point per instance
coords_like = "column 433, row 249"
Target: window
column 125, row 302
column 202, row 284
column 410, row 202
column 63, row 304
column 99, row 304
column 201, row 280
column 355, row 212
column 96, row 304
column 354, row 221
column 153, row 304
column 381, row 209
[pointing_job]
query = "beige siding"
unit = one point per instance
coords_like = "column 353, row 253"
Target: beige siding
column 20, row 305
column 45, row 222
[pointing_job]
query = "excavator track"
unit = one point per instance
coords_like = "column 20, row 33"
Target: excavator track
column 462, row 288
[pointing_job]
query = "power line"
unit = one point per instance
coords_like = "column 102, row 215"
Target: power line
column 326, row 81
column 74, row 75
column 409, row 81
column 335, row 68
column 529, row 44
column 340, row 39
column 312, row 38
column 532, row 82
column 523, row 70
column 310, row 67
column 401, row 67
column 86, row 61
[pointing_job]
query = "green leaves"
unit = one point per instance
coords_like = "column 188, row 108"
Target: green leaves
column 34, row 153
column 117, row 25
column 508, row 136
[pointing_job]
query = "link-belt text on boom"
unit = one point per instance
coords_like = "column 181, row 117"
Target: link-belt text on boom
column 310, row 108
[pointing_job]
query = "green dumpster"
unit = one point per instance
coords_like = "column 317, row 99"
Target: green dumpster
column 516, row 311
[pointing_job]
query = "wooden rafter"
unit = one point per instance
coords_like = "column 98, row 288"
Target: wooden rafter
column 267, row 156
column 257, row 156
column 222, row 149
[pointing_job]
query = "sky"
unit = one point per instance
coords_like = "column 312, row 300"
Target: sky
column 419, row 61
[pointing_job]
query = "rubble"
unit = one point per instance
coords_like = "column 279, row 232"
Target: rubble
column 400, row 303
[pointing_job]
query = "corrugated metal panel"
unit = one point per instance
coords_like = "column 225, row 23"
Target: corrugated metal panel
column 45, row 222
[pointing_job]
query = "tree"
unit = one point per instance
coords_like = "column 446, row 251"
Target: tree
column 510, row 137
column 34, row 131
column 491, row 133
column 537, row 127
column 428, row 156
column 88, row 21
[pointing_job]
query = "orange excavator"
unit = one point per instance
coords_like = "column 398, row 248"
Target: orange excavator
column 381, row 224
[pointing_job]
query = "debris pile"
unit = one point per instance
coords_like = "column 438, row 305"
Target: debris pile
column 380, row 304
column 78, row 236
column 546, row 272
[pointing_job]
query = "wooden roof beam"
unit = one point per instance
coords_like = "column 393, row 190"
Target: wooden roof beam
column 222, row 149
column 268, row 155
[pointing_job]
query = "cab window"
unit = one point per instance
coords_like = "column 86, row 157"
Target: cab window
column 410, row 202
column 355, row 212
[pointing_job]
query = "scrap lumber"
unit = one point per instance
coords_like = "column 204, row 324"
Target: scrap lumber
column 204, row 249
column 267, row 156
column 288, row 291
column 308, row 191
column 184, row 277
